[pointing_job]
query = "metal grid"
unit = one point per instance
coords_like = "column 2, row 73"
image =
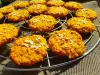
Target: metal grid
column 49, row 61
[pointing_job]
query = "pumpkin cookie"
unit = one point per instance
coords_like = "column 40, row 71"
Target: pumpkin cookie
column 20, row 4
column 66, row 43
column 80, row 24
column 8, row 32
column 28, row 50
column 55, row 2
column 37, row 8
column 42, row 23
column 57, row 11
column 18, row 15
column 87, row 13
column 71, row 5
column 37, row 1
column 7, row 9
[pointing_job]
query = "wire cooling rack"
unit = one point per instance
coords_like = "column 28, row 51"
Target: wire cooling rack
column 51, row 61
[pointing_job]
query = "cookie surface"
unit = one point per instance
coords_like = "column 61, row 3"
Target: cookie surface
column 6, row 9
column 71, row 5
column 66, row 43
column 37, row 1
column 18, row 15
column 42, row 23
column 81, row 25
column 20, row 4
column 8, row 32
column 87, row 13
column 55, row 2
column 57, row 11
column 28, row 50
column 37, row 8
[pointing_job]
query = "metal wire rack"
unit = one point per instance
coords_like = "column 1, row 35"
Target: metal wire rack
column 51, row 61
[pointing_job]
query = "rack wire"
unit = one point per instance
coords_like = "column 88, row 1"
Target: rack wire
column 50, row 62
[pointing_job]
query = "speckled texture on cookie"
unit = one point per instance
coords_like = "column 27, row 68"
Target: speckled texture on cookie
column 57, row 11
column 42, row 23
column 20, row 4
column 28, row 50
column 71, row 5
column 55, row 2
column 81, row 24
column 18, row 15
column 6, row 9
column 37, row 8
column 87, row 13
column 66, row 43
column 37, row 2
column 8, row 32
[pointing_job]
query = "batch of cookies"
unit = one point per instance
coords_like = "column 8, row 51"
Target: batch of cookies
column 28, row 50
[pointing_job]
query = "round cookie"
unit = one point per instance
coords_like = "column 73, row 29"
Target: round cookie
column 66, row 43
column 80, row 24
column 8, row 32
column 57, row 11
column 28, row 50
column 7, row 9
column 20, row 4
column 71, row 5
column 87, row 13
column 55, row 2
column 18, row 15
column 37, row 1
column 42, row 23
column 37, row 8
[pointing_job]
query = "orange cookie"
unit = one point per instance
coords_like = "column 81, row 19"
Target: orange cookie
column 37, row 8
column 57, row 11
column 37, row 1
column 42, row 23
column 7, row 9
column 71, row 5
column 55, row 2
column 8, row 32
column 18, row 15
column 87, row 13
column 20, row 4
column 28, row 50
column 80, row 24
column 66, row 43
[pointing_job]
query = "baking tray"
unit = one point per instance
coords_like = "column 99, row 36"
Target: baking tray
column 51, row 61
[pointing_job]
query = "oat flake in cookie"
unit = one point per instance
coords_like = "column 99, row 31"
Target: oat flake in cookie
column 28, row 50
column 42, row 23
column 67, row 43
column 81, row 25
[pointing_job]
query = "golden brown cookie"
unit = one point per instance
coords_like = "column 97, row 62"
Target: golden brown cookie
column 87, row 13
column 18, row 15
column 37, row 8
column 8, row 32
column 80, row 24
column 6, row 9
column 42, row 23
column 57, row 11
column 66, row 43
column 20, row 4
column 28, row 50
column 37, row 1
column 71, row 5
column 55, row 2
